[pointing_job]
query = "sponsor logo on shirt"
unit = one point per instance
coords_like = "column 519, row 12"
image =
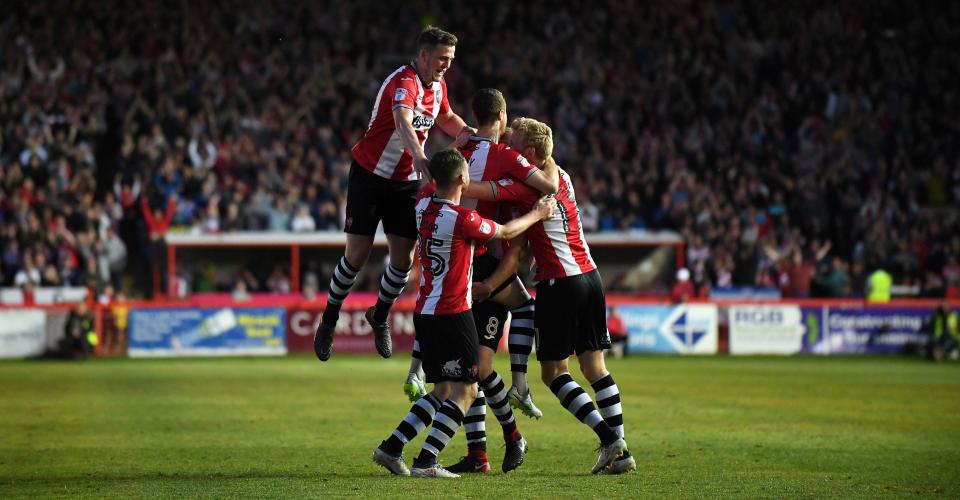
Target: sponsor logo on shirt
column 421, row 121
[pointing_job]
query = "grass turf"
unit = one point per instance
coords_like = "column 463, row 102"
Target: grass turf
column 293, row 427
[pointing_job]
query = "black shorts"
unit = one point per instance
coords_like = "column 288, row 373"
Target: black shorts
column 489, row 318
column 571, row 317
column 448, row 347
column 488, row 315
column 371, row 198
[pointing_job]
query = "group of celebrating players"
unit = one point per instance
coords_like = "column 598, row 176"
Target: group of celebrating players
column 474, row 208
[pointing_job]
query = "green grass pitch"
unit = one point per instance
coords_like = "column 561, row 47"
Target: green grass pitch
column 717, row 427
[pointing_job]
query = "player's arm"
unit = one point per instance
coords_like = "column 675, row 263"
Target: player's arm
column 403, row 120
column 505, row 269
column 546, row 180
column 543, row 210
column 486, row 191
column 451, row 123
column 502, row 191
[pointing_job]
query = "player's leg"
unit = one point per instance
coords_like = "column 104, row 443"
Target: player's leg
column 520, row 344
column 558, row 324
column 392, row 281
column 459, row 364
column 390, row 452
column 445, row 425
column 400, row 226
column 344, row 276
column 489, row 319
column 608, row 404
column 594, row 339
column 363, row 191
column 474, row 424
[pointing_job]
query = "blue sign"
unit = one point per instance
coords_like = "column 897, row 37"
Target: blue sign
column 875, row 329
column 685, row 329
column 206, row 332
column 689, row 333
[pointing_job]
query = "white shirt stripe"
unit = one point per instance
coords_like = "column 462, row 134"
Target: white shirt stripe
column 444, row 231
column 376, row 103
column 390, row 156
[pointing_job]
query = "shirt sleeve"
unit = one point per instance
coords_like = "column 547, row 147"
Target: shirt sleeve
column 519, row 168
column 507, row 190
column 476, row 228
column 404, row 92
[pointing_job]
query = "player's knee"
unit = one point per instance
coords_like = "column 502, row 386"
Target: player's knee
column 592, row 366
column 357, row 255
column 485, row 370
column 442, row 391
column 593, row 373
column 464, row 395
column 401, row 260
column 550, row 371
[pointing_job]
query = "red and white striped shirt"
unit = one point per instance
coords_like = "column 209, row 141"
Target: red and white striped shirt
column 447, row 234
column 380, row 150
column 489, row 161
column 557, row 244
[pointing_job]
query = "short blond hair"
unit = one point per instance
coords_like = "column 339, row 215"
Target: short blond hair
column 535, row 134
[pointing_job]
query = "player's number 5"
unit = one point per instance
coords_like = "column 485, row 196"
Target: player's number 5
column 439, row 264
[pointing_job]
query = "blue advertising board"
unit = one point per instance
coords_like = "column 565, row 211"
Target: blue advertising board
column 684, row 329
column 206, row 332
column 875, row 330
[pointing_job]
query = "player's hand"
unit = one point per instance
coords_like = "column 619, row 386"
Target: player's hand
column 545, row 207
column 423, row 172
column 462, row 137
column 481, row 291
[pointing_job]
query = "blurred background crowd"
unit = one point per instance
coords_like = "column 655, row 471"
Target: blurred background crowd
column 795, row 146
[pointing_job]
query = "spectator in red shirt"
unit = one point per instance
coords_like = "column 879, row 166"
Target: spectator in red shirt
column 683, row 289
column 618, row 333
column 157, row 225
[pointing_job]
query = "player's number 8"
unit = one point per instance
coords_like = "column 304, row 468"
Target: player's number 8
column 492, row 325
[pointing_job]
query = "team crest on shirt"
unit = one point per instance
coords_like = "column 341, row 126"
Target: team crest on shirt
column 451, row 368
column 485, row 228
column 505, row 182
column 400, row 94
column 474, row 371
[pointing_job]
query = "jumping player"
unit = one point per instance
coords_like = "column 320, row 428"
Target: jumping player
column 388, row 163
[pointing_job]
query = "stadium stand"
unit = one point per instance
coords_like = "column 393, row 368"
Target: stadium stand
column 797, row 150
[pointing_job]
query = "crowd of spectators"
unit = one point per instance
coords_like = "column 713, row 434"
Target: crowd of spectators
column 795, row 147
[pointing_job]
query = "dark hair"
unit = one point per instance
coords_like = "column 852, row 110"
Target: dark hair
column 445, row 166
column 431, row 36
column 487, row 105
